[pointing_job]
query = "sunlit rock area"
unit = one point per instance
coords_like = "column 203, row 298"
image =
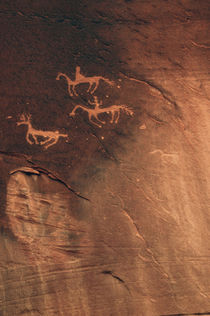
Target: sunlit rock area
column 104, row 156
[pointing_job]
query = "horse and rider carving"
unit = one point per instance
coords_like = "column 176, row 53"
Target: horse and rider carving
column 79, row 78
column 93, row 82
column 114, row 110
column 50, row 138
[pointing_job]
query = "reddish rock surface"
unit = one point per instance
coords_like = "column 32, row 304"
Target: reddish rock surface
column 104, row 211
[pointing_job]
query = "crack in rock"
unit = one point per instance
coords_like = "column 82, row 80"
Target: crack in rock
column 109, row 272
column 161, row 91
column 38, row 169
column 93, row 133
column 149, row 251
column 55, row 178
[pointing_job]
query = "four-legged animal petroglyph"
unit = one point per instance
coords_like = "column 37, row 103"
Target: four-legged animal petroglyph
column 114, row 110
column 79, row 78
column 51, row 138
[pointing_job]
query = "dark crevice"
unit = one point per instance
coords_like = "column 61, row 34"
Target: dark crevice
column 164, row 93
column 56, row 178
column 155, row 118
column 42, row 170
column 109, row 272
column 67, row 250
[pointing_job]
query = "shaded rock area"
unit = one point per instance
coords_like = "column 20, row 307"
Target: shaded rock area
column 105, row 171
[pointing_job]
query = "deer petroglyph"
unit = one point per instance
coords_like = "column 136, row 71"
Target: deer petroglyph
column 114, row 110
column 79, row 78
column 32, row 134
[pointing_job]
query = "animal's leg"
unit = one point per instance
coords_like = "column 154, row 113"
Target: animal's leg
column 34, row 138
column 70, row 90
column 118, row 116
column 90, row 119
column 96, row 117
column 51, row 143
column 96, row 86
column 72, row 113
column 73, row 89
column 45, row 141
column 112, row 118
column 28, row 139
column 90, row 86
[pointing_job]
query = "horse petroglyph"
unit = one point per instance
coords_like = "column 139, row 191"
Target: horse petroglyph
column 114, row 110
column 79, row 78
column 50, row 137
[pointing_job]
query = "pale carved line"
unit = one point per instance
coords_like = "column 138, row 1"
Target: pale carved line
column 166, row 157
column 51, row 138
column 200, row 45
column 114, row 110
column 79, row 78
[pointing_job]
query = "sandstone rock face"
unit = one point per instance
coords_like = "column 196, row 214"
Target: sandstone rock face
column 105, row 171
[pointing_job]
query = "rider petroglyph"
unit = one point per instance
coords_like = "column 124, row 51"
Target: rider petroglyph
column 114, row 110
column 32, row 134
column 79, row 78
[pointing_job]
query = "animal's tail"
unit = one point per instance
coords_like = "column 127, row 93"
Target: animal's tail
column 58, row 76
column 63, row 135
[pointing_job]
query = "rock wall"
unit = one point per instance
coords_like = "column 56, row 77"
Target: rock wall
column 104, row 158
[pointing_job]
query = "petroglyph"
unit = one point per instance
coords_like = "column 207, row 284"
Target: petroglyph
column 79, row 78
column 166, row 157
column 114, row 110
column 93, row 113
column 50, row 137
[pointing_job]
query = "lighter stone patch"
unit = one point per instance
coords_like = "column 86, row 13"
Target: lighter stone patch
column 39, row 217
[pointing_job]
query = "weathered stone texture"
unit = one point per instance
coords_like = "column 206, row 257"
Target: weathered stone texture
column 110, row 220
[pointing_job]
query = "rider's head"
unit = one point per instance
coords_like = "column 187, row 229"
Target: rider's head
column 77, row 68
